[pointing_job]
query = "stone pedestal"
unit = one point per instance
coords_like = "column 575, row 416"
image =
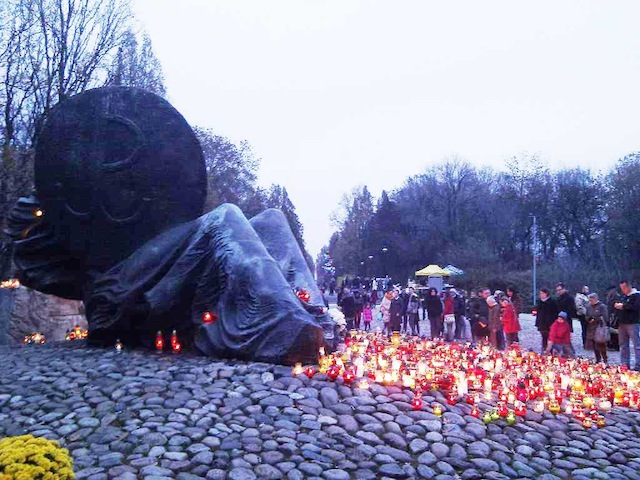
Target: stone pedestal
column 6, row 307
column 23, row 311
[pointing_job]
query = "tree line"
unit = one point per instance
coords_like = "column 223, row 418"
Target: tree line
column 481, row 220
column 51, row 50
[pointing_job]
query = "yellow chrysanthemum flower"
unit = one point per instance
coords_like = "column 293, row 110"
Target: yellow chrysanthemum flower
column 29, row 458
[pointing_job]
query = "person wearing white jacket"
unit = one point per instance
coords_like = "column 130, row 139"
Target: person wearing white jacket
column 385, row 310
column 582, row 306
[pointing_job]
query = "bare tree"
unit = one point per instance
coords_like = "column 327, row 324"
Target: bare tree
column 49, row 51
column 71, row 47
column 16, row 88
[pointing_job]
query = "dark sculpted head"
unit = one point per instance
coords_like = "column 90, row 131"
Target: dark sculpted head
column 114, row 167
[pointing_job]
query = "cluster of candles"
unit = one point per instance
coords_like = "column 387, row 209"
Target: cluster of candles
column 10, row 283
column 35, row 338
column 174, row 343
column 509, row 382
column 77, row 333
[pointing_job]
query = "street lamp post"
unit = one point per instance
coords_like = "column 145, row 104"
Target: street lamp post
column 535, row 259
column 385, row 250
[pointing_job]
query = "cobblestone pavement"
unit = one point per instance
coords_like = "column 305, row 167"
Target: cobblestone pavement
column 135, row 415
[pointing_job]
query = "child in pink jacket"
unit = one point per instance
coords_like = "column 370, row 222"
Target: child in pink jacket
column 367, row 316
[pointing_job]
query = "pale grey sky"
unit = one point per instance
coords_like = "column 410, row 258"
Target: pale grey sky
column 336, row 93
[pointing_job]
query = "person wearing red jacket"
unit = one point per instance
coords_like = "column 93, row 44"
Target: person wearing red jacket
column 448, row 316
column 510, row 322
column 560, row 336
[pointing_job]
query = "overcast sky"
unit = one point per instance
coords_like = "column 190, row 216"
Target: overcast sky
column 336, row 93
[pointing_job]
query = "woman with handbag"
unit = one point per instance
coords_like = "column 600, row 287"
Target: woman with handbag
column 495, row 324
column 598, row 333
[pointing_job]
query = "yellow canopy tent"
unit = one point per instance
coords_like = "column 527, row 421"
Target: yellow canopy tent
column 432, row 271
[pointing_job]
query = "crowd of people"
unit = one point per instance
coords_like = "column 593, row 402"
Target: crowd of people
column 494, row 317
column 620, row 313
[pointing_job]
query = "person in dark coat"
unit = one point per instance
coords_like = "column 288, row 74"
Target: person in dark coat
column 613, row 297
column 478, row 306
column 348, row 306
column 435, row 308
column 412, row 306
column 547, row 312
column 628, row 308
column 459, row 307
column 479, row 314
column 397, row 310
column 495, row 324
column 566, row 303
column 597, row 315
column 359, row 301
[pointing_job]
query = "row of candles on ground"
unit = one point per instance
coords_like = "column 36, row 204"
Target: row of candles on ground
column 512, row 378
column 159, row 343
column 176, row 346
column 77, row 333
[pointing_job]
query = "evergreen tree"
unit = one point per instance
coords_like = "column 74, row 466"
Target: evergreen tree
column 348, row 247
column 324, row 267
column 136, row 65
column 278, row 197
column 385, row 241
